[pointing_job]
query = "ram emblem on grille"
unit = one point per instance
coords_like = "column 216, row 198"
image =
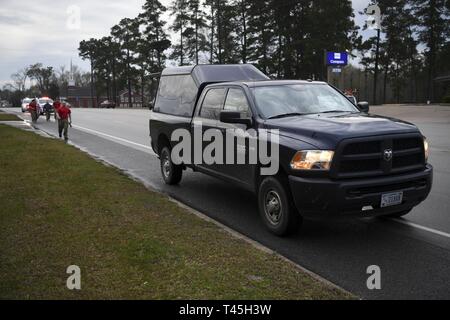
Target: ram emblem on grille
column 388, row 154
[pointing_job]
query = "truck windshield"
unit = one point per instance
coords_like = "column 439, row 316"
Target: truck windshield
column 300, row 99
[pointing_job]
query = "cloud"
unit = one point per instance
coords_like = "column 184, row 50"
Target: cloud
column 36, row 31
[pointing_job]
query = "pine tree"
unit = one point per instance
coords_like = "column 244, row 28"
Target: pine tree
column 196, row 40
column 87, row 51
column 284, row 23
column 260, row 37
column 179, row 10
column 242, row 9
column 211, row 19
column 399, row 55
column 127, row 34
column 331, row 27
column 154, row 32
column 112, row 51
column 222, row 25
column 433, row 24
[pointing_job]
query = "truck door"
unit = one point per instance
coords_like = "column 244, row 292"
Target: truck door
column 236, row 100
column 208, row 118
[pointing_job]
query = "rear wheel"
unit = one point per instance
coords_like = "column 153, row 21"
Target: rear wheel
column 172, row 174
column 277, row 208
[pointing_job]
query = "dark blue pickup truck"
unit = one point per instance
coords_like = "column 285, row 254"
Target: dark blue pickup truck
column 335, row 159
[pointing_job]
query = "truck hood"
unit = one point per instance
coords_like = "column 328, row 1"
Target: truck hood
column 325, row 131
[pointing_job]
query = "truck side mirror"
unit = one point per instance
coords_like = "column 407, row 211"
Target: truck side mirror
column 234, row 117
column 364, row 107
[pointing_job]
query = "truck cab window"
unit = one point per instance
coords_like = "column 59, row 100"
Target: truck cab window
column 237, row 101
column 213, row 104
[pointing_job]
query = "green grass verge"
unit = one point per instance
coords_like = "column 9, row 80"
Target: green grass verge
column 8, row 117
column 59, row 207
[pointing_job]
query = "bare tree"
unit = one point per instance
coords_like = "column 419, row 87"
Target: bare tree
column 19, row 79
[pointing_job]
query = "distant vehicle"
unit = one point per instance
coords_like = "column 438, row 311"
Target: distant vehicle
column 25, row 104
column 5, row 104
column 108, row 104
column 41, row 103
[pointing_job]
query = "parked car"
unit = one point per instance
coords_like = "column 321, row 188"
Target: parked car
column 25, row 104
column 108, row 104
column 336, row 160
column 5, row 104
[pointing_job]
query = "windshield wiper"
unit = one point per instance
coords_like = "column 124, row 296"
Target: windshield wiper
column 287, row 115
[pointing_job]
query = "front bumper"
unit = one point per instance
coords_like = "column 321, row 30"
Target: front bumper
column 322, row 198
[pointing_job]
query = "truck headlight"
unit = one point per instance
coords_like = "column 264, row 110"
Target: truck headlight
column 426, row 147
column 312, row 160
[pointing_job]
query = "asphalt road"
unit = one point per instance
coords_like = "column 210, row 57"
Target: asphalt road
column 413, row 253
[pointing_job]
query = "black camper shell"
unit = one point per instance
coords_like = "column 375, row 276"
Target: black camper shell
column 180, row 88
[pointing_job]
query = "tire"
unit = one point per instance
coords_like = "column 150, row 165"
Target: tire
column 400, row 214
column 277, row 208
column 171, row 173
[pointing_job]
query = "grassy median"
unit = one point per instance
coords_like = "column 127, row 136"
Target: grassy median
column 8, row 117
column 59, row 207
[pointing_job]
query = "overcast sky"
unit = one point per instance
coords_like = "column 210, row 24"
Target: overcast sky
column 46, row 31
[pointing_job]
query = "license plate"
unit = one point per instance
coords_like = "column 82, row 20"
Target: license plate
column 391, row 199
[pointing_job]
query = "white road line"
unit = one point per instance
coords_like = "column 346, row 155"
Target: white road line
column 115, row 138
column 437, row 232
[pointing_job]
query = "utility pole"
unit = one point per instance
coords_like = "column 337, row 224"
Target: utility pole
column 374, row 22
column 92, row 82
column 375, row 77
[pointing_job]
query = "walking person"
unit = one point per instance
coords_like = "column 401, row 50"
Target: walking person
column 47, row 111
column 56, row 106
column 33, row 108
column 65, row 120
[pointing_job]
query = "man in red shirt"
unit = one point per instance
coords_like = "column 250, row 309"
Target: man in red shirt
column 65, row 119
column 56, row 106
column 33, row 108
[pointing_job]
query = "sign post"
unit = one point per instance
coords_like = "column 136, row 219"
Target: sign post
column 335, row 62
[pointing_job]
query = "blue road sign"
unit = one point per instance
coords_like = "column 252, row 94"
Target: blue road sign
column 337, row 58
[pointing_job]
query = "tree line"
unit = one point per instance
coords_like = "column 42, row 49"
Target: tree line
column 415, row 50
column 45, row 81
column 286, row 39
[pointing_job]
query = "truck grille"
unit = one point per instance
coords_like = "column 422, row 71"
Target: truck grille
column 379, row 156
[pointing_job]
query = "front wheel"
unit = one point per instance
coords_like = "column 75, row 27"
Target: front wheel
column 171, row 173
column 277, row 208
